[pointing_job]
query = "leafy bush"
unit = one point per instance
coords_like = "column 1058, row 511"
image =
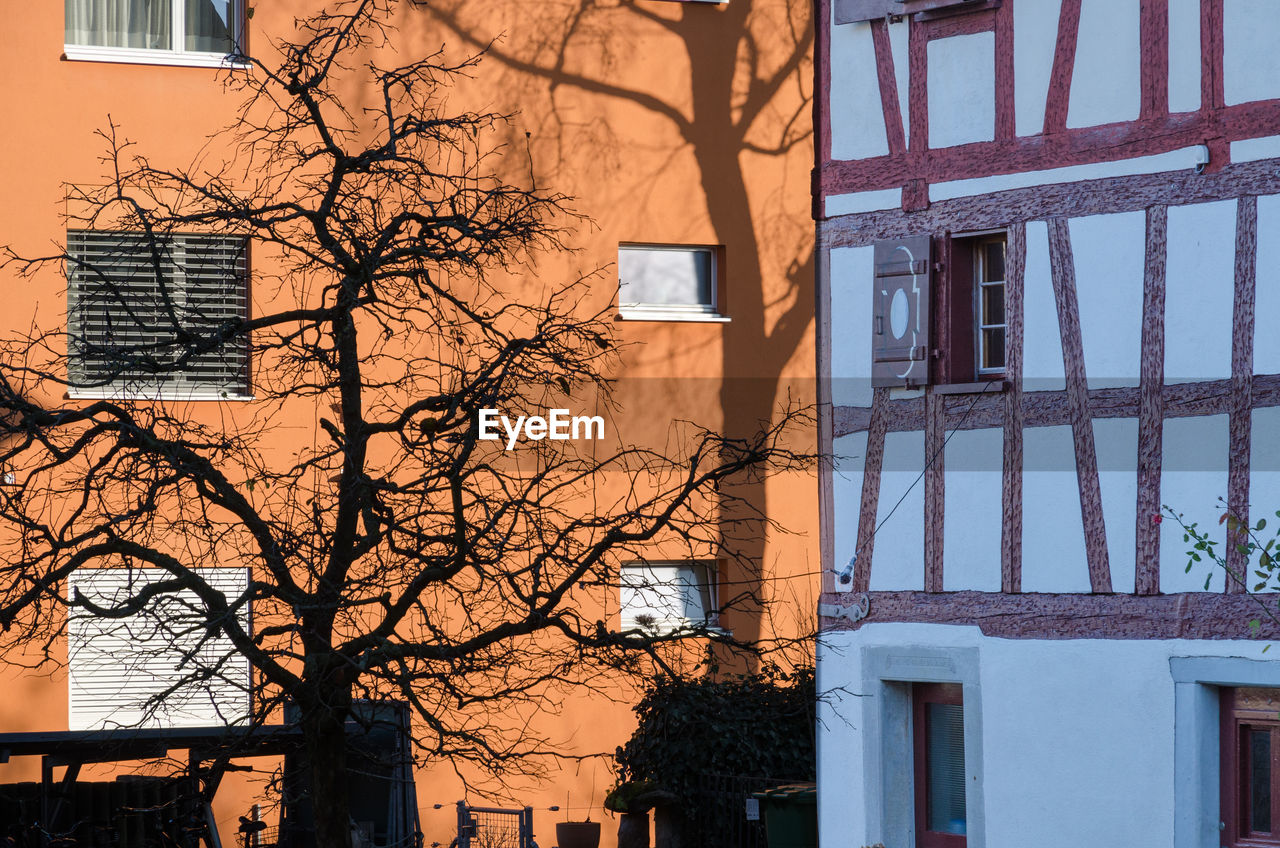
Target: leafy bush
column 757, row 725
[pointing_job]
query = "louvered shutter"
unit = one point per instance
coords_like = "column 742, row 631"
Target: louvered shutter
column 117, row 664
column 900, row 312
column 145, row 317
column 214, row 271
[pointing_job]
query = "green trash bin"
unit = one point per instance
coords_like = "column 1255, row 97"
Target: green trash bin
column 790, row 815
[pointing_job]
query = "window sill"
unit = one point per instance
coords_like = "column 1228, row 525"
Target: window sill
column 180, row 397
column 661, row 315
column 686, row 628
column 995, row 385
column 142, row 56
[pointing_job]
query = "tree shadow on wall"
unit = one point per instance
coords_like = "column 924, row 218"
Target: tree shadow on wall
column 638, row 96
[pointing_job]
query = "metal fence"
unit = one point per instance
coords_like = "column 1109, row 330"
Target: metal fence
column 494, row 827
column 720, row 819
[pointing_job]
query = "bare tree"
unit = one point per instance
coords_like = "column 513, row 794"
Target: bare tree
column 397, row 554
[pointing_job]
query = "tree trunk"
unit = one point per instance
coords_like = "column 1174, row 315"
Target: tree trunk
column 327, row 759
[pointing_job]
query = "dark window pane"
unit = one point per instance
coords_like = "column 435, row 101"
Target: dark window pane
column 993, row 348
column 993, row 261
column 1259, row 780
column 992, row 305
column 944, row 756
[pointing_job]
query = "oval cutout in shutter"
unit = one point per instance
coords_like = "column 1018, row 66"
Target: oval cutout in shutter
column 901, row 294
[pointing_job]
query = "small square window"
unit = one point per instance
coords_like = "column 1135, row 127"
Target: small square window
column 149, row 324
column 1250, row 751
column 202, row 32
column 668, row 282
column 663, row 597
column 938, row 732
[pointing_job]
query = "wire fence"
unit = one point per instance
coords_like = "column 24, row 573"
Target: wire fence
column 494, row 827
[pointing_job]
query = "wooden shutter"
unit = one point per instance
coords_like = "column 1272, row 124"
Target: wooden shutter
column 117, row 664
column 856, row 11
column 900, row 312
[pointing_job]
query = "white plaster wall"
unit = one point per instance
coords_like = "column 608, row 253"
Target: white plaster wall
column 973, row 511
column 857, row 119
column 840, row 744
column 1200, row 286
column 1115, row 442
column 1042, row 368
column 1264, row 473
column 1078, row 735
column 1105, row 84
column 846, row 484
column 899, row 33
column 898, row 560
column 1250, row 61
column 852, row 269
column 1184, row 55
column 1266, row 332
column 863, row 201
column 962, row 89
column 1193, row 479
column 1035, row 35
column 1109, row 261
column 1053, row 553
column 1253, row 149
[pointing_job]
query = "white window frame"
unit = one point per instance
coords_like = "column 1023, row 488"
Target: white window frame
column 1197, row 739
column 979, row 271
column 888, row 772
column 164, row 388
column 108, row 683
column 640, row 576
column 176, row 54
column 703, row 312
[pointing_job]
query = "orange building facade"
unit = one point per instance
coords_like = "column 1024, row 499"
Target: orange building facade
column 681, row 129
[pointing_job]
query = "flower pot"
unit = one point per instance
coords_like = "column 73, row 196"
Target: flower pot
column 584, row 834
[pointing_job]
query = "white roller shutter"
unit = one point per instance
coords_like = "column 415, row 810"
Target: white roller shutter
column 116, row 665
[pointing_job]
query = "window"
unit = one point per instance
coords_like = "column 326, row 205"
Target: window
column 988, row 289
column 198, row 32
column 922, row 746
column 938, row 744
column 150, row 323
column 1250, row 751
column 669, row 282
column 663, row 597
column 116, row 664
column 939, row 311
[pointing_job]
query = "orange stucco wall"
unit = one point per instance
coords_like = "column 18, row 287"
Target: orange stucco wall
column 668, row 122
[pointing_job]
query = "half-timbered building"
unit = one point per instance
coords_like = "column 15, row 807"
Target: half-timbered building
column 1049, row 253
